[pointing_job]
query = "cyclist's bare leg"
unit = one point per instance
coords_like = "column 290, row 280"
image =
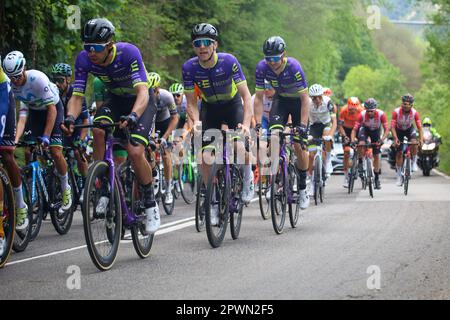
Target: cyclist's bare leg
column 140, row 164
column 98, row 144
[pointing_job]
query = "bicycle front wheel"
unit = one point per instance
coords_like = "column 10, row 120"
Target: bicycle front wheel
column 23, row 238
column 217, row 203
column 237, row 206
column 369, row 174
column 102, row 230
column 294, row 197
column 278, row 199
column 188, row 182
column 264, row 195
column 7, row 215
column 61, row 219
column 406, row 175
column 199, row 205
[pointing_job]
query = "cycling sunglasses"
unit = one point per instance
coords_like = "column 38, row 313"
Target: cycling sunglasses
column 96, row 47
column 16, row 78
column 273, row 58
column 58, row 79
column 202, row 42
column 177, row 95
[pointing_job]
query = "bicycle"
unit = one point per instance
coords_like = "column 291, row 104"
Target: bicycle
column 76, row 180
column 353, row 170
column 368, row 174
column 285, row 190
column 186, row 176
column 319, row 175
column 264, row 183
column 223, row 191
column 405, row 147
column 103, row 230
column 160, row 181
column 7, row 215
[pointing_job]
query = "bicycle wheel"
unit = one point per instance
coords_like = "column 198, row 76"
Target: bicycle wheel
column 353, row 173
column 294, row 197
column 142, row 241
column 264, row 182
column 7, row 216
column 188, row 182
column 23, row 237
column 199, row 206
column 406, row 175
column 217, row 199
column 102, row 230
column 369, row 174
column 317, row 181
column 168, row 208
column 61, row 219
column 278, row 199
column 322, row 184
column 236, row 204
column 35, row 201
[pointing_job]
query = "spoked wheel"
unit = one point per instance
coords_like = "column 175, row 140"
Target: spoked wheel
column 199, row 205
column 353, row 174
column 23, row 237
column 188, row 182
column 278, row 199
column 317, row 181
column 142, row 241
column 407, row 175
column 294, row 201
column 61, row 219
column 168, row 208
column 264, row 182
column 217, row 203
column 35, row 202
column 7, row 216
column 369, row 174
column 102, row 230
column 236, row 205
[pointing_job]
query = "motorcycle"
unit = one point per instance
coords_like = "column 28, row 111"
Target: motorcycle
column 428, row 157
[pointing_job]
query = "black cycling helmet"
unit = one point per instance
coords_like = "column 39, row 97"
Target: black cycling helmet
column 205, row 30
column 370, row 104
column 97, row 30
column 274, row 46
column 408, row 98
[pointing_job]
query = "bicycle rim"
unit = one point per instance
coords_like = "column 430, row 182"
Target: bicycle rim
column 263, row 190
column 22, row 238
column 217, row 195
column 199, row 207
column 102, row 231
column 7, row 216
column 188, row 183
column 278, row 199
column 237, row 204
column 294, row 207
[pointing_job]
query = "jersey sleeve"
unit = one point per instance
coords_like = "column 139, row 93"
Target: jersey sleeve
column 43, row 86
column 171, row 105
column 137, row 68
column 23, row 110
column 384, row 121
column 300, row 79
column 394, row 119
column 358, row 122
column 237, row 74
column 84, row 111
column 81, row 74
column 188, row 77
column 260, row 75
column 417, row 120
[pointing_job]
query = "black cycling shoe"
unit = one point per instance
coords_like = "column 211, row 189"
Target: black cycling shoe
column 377, row 184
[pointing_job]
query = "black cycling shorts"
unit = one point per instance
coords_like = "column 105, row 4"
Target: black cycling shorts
column 374, row 136
column 116, row 106
column 162, row 126
column 282, row 107
column 411, row 133
column 35, row 125
column 9, row 133
column 316, row 129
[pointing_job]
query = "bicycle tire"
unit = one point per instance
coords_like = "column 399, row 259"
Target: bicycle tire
column 236, row 198
column 168, row 208
column 7, row 216
column 37, row 207
column 99, row 173
column 353, row 173
column 278, row 195
column 23, row 238
column 199, row 207
column 189, row 175
column 217, row 193
column 61, row 221
column 317, row 177
column 264, row 203
column 407, row 175
column 369, row 176
column 294, row 205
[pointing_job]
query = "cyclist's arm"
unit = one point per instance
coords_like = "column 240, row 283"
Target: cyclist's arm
column 23, row 115
column 247, row 98
column 393, row 126
column 304, row 118
column 192, row 108
column 333, row 121
column 51, row 118
column 419, row 127
column 142, row 98
column 258, row 106
column 74, row 105
column 384, row 123
column 84, row 131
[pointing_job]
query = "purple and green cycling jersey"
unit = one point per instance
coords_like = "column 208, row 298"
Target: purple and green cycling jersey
column 217, row 84
column 121, row 76
column 289, row 83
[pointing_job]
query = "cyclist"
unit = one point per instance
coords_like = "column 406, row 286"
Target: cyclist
column 177, row 91
column 269, row 93
column 291, row 99
column 323, row 124
column 120, row 67
column 61, row 75
column 166, row 121
column 7, row 135
column 221, row 83
column 347, row 119
column 369, row 126
column 41, row 113
column 401, row 127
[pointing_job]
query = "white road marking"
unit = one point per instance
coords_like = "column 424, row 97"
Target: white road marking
column 441, row 174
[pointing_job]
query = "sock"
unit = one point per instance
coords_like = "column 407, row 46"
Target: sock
column 399, row 171
column 148, row 195
column 328, row 158
column 18, row 193
column 302, row 182
column 64, row 182
column 247, row 172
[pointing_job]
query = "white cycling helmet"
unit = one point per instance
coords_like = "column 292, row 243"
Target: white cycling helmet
column 315, row 90
column 14, row 63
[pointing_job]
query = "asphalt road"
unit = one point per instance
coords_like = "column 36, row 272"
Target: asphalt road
column 350, row 247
